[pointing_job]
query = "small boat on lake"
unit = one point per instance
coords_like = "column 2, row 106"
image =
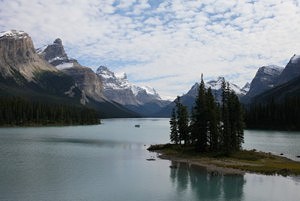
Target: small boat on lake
column 137, row 125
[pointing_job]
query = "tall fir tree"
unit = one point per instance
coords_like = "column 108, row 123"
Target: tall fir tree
column 213, row 121
column 199, row 119
column 174, row 136
column 232, row 134
column 183, row 122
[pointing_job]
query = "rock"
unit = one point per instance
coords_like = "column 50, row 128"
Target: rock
column 17, row 54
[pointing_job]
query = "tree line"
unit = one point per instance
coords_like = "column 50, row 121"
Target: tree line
column 274, row 115
column 18, row 111
column 212, row 126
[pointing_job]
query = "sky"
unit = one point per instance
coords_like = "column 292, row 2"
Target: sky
column 164, row 44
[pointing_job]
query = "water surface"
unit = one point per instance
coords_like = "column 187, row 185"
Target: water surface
column 108, row 162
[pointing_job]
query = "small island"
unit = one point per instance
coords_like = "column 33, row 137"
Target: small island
column 212, row 137
column 239, row 162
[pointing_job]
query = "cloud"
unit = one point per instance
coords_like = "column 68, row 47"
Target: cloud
column 174, row 41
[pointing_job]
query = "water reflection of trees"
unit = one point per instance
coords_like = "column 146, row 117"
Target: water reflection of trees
column 206, row 185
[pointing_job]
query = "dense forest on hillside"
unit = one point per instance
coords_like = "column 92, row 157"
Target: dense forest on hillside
column 15, row 111
column 272, row 115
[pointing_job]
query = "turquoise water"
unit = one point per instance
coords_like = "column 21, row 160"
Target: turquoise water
column 108, row 162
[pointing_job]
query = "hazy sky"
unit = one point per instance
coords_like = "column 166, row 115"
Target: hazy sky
column 164, row 44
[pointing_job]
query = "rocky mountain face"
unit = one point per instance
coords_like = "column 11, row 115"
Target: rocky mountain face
column 27, row 74
column 117, row 88
column 268, row 78
column 246, row 88
column 18, row 56
column 279, row 93
column 291, row 71
column 104, row 85
column 285, row 84
column 24, row 73
column 265, row 79
column 86, row 80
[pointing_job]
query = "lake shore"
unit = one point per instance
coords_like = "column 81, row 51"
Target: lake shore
column 239, row 163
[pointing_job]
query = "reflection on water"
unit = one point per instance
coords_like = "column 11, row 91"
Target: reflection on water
column 206, row 185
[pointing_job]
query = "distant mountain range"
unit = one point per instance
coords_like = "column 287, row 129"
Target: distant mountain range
column 188, row 99
column 270, row 83
column 271, row 79
column 48, row 74
column 104, row 85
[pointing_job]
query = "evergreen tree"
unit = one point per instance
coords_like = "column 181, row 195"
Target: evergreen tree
column 232, row 135
column 225, row 134
column 18, row 111
column 174, row 136
column 199, row 119
column 183, row 122
column 213, row 121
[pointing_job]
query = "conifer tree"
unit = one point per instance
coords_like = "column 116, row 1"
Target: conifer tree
column 213, row 121
column 232, row 135
column 174, row 136
column 183, row 122
column 199, row 119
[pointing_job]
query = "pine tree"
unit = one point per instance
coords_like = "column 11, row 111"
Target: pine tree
column 199, row 119
column 232, row 135
column 174, row 136
column 183, row 122
column 225, row 119
column 213, row 121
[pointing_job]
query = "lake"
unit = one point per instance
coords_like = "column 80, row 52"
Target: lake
column 108, row 162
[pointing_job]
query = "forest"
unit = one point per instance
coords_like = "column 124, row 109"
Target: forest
column 16, row 111
column 273, row 115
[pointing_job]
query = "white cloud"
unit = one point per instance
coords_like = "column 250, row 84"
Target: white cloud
column 167, row 47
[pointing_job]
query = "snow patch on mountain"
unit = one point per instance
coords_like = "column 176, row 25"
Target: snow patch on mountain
column 65, row 65
column 14, row 34
column 246, row 88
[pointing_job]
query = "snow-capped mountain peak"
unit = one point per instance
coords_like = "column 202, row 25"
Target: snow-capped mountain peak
column 215, row 84
column 14, row 34
column 111, row 80
column 119, row 89
column 270, row 70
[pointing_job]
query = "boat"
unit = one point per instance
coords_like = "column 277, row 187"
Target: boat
column 137, row 125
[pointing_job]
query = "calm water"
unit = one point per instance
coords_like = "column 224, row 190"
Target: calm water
column 108, row 162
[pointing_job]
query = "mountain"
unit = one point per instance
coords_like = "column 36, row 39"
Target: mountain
column 116, row 87
column 246, row 88
column 86, row 80
column 23, row 72
column 291, row 71
column 265, row 78
column 18, row 58
column 188, row 99
column 279, row 93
